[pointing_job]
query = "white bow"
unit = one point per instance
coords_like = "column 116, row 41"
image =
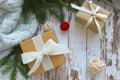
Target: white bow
column 49, row 48
column 94, row 14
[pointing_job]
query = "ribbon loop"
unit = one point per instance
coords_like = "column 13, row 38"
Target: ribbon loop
column 50, row 45
column 91, row 6
column 83, row 9
column 49, row 48
column 97, row 9
column 29, row 56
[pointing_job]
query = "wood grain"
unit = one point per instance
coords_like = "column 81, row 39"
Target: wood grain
column 84, row 45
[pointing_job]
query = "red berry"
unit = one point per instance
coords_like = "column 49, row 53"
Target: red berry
column 64, row 26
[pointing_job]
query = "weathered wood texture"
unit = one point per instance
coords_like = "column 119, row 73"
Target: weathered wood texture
column 85, row 45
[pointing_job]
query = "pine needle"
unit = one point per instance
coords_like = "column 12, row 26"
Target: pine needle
column 23, row 69
column 4, row 61
column 40, row 8
column 13, row 73
column 6, row 69
column 12, row 63
column 58, row 14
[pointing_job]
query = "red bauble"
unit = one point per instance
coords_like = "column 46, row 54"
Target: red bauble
column 64, row 26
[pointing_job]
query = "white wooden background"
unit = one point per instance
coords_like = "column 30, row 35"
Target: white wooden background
column 84, row 46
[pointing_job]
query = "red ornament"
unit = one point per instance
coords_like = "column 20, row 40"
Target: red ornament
column 64, row 26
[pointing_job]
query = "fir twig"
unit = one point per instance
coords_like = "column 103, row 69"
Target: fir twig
column 23, row 69
column 4, row 61
column 56, row 14
column 13, row 73
column 6, row 69
column 12, row 63
column 40, row 8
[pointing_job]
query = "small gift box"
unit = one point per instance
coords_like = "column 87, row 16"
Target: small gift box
column 49, row 60
column 92, row 16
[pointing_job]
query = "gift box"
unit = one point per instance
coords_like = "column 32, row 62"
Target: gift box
column 83, row 17
column 30, row 45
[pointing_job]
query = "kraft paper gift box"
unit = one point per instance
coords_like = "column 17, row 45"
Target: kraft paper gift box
column 28, row 45
column 83, row 17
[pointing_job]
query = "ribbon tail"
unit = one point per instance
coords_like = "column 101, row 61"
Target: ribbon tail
column 99, row 28
column 36, row 65
column 60, row 49
column 80, row 8
column 29, row 56
column 89, row 22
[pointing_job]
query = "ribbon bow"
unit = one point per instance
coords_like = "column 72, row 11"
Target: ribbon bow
column 94, row 15
column 49, row 48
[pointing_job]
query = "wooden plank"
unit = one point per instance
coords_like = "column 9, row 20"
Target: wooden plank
column 112, row 57
column 77, row 43
column 97, row 47
column 112, row 47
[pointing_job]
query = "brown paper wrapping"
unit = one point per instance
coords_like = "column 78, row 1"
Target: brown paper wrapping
column 83, row 17
column 28, row 46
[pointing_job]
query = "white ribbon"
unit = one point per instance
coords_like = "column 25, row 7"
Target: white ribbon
column 94, row 15
column 49, row 48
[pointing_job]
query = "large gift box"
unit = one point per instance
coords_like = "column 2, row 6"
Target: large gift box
column 31, row 44
column 83, row 17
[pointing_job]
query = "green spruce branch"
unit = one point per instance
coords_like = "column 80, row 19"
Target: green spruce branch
column 12, row 64
column 43, row 8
